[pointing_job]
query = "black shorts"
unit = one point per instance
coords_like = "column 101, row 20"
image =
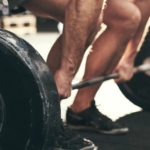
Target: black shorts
column 14, row 3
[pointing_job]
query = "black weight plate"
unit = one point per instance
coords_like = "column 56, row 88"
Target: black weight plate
column 29, row 102
column 137, row 90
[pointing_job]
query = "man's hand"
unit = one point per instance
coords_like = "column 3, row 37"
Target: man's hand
column 125, row 69
column 63, row 83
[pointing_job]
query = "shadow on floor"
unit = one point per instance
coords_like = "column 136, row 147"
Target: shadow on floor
column 138, row 137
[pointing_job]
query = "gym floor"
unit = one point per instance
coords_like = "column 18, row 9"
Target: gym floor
column 109, row 99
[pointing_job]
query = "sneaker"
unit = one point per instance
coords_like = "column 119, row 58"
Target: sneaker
column 70, row 140
column 92, row 119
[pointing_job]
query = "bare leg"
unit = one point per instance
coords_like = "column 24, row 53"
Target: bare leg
column 55, row 54
column 79, row 19
column 121, row 26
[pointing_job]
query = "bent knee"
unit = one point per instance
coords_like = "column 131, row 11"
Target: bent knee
column 133, row 18
column 123, row 18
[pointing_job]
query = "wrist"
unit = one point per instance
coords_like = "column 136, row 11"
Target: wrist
column 64, row 75
column 129, row 58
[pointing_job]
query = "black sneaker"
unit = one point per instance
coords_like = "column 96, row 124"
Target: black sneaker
column 92, row 119
column 70, row 140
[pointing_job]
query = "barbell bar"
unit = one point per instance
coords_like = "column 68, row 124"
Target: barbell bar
column 92, row 81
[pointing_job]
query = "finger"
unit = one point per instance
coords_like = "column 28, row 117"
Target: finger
column 122, row 77
column 115, row 70
column 119, row 80
column 62, row 97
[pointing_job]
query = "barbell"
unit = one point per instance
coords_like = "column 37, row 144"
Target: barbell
column 142, row 68
column 29, row 101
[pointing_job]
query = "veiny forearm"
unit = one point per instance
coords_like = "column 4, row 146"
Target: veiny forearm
column 80, row 19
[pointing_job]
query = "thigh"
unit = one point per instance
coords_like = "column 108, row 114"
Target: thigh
column 144, row 6
column 47, row 8
column 118, row 11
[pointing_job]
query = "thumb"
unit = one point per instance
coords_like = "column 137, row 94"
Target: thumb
column 115, row 70
column 122, row 77
column 122, row 74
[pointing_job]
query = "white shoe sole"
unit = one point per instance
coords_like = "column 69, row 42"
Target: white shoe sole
column 85, row 148
column 114, row 131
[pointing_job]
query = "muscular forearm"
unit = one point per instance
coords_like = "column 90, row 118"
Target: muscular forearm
column 80, row 19
column 131, row 51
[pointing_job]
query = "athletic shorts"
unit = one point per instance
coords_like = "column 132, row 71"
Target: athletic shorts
column 14, row 3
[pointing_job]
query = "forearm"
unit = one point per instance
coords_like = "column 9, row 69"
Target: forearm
column 130, row 52
column 80, row 19
column 131, row 49
column 126, row 64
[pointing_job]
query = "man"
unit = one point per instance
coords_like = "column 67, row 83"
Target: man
column 83, row 114
column 84, row 104
column 81, row 21
column 116, row 37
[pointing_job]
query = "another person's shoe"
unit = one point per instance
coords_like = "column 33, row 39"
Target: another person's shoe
column 70, row 140
column 92, row 119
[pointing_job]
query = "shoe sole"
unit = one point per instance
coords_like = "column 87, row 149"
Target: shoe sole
column 114, row 131
column 85, row 148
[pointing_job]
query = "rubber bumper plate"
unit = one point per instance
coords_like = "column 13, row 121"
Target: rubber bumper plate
column 29, row 102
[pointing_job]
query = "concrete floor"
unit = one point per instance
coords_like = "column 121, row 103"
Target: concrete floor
column 109, row 100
